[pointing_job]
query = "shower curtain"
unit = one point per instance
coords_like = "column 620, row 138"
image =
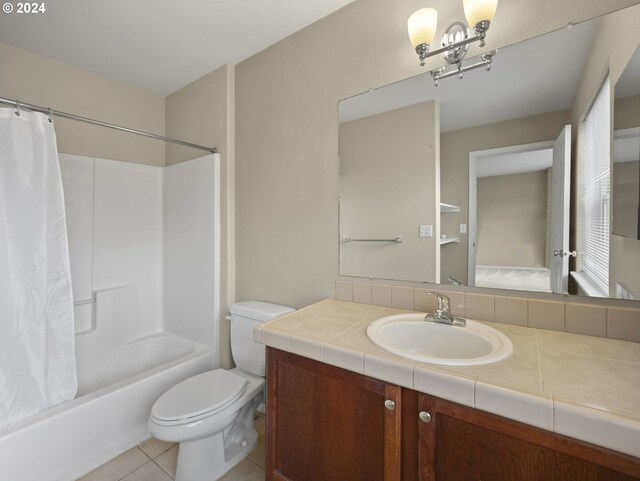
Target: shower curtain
column 37, row 358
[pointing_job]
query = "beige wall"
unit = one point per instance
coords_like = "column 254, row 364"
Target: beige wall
column 625, row 182
column 625, row 175
column 610, row 56
column 42, row 81
column 287, row 129
column 626, row 113
column 199, row 113
column 624, row 199
column 203, row 113
column 512, row 220
column 455, row 147
column 389, row 185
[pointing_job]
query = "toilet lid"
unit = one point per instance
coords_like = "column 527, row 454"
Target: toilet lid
column 198, row 395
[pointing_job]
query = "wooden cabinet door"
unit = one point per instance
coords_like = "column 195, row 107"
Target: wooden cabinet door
column 328, row 424
column 464, row 444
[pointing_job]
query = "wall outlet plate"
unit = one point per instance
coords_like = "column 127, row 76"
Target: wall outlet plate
column 426, row 230
column 463, row 228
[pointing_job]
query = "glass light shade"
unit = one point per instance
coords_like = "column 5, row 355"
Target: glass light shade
column 422, row 26
column 478, row 10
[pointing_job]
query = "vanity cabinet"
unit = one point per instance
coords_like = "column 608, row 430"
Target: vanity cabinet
column 328, row 424
column 457, row 443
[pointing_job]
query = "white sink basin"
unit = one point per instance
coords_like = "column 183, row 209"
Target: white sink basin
column 410, row 336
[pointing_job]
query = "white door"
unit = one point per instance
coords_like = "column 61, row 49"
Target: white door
column 560, row 191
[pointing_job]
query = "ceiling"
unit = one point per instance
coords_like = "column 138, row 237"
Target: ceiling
column 158, row 45
column 528, row 78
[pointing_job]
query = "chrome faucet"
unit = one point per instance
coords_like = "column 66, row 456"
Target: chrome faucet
column 443, row 313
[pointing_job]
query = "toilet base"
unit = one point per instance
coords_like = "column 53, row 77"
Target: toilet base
column 204, row 460
column 208, row 459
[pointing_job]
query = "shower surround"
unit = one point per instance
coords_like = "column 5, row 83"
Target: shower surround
column 137, row 333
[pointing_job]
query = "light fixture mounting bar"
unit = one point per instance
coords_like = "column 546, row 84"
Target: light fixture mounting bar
column 446, row 48
column 486, row 60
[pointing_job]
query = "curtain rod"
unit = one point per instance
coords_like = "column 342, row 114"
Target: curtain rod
column 18, row 104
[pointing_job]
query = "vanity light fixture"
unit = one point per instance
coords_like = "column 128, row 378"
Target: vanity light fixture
column 422, row 26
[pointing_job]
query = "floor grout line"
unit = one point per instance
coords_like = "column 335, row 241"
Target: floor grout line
column 164, row 470
column 248, row 458
column 139, row 467
column 143, row 452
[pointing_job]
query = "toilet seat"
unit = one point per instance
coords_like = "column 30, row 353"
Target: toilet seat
column 199, row 396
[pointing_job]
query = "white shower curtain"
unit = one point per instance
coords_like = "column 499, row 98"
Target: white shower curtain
column 37, row 358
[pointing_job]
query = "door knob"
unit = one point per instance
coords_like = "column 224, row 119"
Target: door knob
column 389, row 404
column 425, row 417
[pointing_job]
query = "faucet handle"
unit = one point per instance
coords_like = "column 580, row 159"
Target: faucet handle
column 444, row 303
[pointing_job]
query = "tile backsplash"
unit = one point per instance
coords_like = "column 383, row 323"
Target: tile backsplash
column 592, row 320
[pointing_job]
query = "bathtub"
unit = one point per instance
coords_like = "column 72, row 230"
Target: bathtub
column 116, row 389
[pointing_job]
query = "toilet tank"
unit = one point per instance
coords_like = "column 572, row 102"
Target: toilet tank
column 247, row 354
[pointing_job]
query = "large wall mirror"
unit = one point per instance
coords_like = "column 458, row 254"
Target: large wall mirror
column 509, row 178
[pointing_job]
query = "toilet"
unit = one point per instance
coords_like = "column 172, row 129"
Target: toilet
column 211, row 414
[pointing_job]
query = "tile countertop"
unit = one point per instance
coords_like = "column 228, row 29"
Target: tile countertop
column 580, row 386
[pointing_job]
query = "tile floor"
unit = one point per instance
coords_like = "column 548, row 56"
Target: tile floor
column 155, row 460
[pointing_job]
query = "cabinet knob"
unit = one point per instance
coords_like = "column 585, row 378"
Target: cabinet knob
column 425, row 417
column 389, row 404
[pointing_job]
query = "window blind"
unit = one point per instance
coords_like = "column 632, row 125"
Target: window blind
column 593, row 200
